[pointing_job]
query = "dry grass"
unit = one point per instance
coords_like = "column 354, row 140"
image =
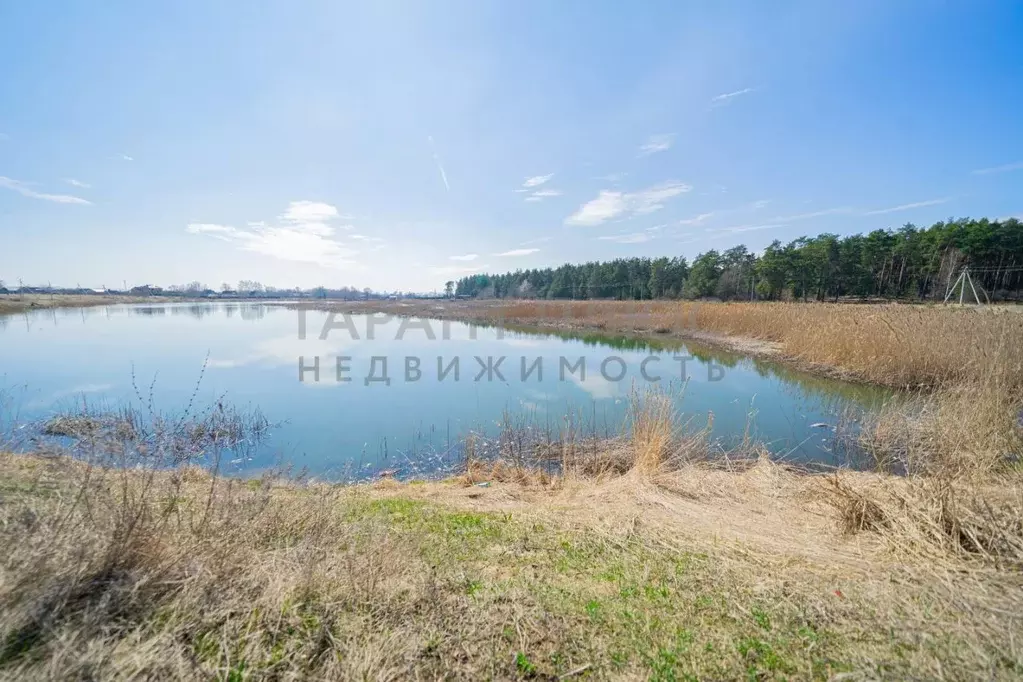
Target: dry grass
column 896, row 345
column 960, row 432
column 888, row 344
column 652, row 560
column 692, row 572
column 17, row 303
column 640, row 557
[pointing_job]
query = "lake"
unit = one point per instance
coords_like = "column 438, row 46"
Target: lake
column 334, row 413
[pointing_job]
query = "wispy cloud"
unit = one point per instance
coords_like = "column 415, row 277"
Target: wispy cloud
column 537, row 180
column 656, row 144
column 77, row 183
column 465, row 257
column 606, row 206
column 630, row 238
column 906, row 207
column 727, row 97
column 542, row 194
column 743, row 228
column 517, row 252
column 125, row 157
column 440, row 166
column 1000, row 169
column 717, row 213
column 313, row 216
column 611, row 204
column 814, row 214
column 26, row 191
column 698, row 219
column 304, row 234
column 538, row 240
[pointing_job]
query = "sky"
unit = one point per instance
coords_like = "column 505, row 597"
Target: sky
column 396, row 145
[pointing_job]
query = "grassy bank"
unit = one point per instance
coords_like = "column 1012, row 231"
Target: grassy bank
column 902, row 346
column 640, row 560
column 19, row 303
column 693, row 574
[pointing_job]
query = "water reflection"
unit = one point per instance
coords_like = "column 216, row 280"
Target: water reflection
column 250, row 353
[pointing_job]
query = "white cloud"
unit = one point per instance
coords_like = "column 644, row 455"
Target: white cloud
column 77, row 183
column 610, row 204
column 211, row 229
column 606, row 206
column 743, row 228
column 1000, row 169
column 125, row 157
column 906, row 207
column 652, row 199
column 26, row 191
column 696, row 220
column 729, row 96
column 303, row 236
column 440, row 166
column 517, row 252
column 815, row 214
column 538, row 240
column 309, row 212
column 657, row 143
column 632, row 238
column 537, row 180
column 465, row 257
column 542, row 194
column 704, row 217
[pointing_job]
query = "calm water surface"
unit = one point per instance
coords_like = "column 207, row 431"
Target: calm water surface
column 55, row 359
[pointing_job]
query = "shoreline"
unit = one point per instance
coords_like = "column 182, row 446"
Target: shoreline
column 481, row 313
column 697, row 572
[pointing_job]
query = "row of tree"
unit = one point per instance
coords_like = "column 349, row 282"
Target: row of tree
column 908, row 263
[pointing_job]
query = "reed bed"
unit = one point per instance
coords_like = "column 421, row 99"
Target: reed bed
column 904, row 346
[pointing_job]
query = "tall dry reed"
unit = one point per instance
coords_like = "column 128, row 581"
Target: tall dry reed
column 905, row 346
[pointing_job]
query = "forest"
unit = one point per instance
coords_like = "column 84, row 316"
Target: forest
column 909, row 263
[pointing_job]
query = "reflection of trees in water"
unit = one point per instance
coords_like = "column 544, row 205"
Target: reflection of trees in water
column 247, row 311
column 196, row 310
column 829, row 393
column 149, row 310
column 252, row 311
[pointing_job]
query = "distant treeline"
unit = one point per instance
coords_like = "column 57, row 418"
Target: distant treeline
column 908, row 263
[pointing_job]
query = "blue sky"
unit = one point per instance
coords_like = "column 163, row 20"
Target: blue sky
column 397, row 145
